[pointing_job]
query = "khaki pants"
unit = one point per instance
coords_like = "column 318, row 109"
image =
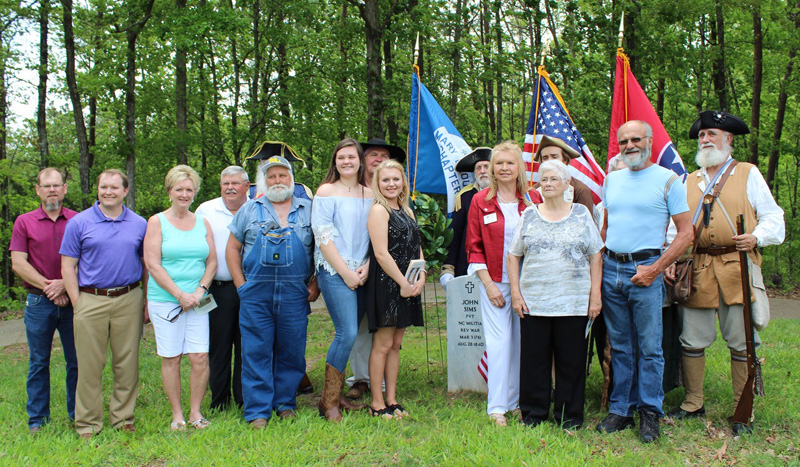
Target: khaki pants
column 98, row 322
column 700, row 329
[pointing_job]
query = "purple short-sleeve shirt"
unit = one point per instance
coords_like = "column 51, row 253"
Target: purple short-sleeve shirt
column 109, row 251
column 37, row 235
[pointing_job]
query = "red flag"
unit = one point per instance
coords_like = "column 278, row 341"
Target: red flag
column 631, row 103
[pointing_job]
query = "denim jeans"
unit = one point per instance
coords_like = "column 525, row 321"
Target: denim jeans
column 273, row 319
column 346, row 309
column 42, row 318
column 633, row 317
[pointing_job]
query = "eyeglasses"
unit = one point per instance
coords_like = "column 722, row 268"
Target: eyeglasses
column 624, row 142
column 51, row 187
column 173, row 314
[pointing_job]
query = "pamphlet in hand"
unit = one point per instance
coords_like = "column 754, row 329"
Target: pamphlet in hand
column 588, row 327
column 414, row 269
column 207, row 304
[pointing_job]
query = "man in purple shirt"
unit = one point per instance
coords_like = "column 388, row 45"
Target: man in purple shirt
column 35, row 241
column 101, row 262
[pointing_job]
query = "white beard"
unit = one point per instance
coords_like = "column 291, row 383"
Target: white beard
column 278, row 193
column 52, row 205
column 482, row 182
column 712, row 156
column 636, row 161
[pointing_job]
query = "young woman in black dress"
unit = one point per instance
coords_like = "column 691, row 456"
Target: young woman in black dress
column 393, row 303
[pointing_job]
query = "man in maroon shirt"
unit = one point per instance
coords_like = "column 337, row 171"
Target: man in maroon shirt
column 35, row 242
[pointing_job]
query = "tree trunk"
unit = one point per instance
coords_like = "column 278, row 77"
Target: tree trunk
column 456, row 81
column 755, row 116
column 5, row 265
column 774, row 153
column 41, row 113
column 660, row 99
column 718, row 66
column 499, row 72
column 77, row 108
column 374, row 34
column 391, row 122
column 487, row 65
column 132, row 33
column 180, row 91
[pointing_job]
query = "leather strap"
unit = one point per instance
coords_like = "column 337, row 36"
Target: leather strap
column 713, row 197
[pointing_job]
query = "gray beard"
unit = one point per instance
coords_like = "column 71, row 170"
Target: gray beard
column 52, row 205
column 278, row 193
column 637, row 162
column 482, row 183
column 710, row 157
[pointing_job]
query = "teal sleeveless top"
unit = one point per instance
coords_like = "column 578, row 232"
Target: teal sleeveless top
column 183, row 256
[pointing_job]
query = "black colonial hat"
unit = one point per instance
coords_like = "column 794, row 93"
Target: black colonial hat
column 718, row 119
column 467, row 163
column 395, row 152
column 269, row 149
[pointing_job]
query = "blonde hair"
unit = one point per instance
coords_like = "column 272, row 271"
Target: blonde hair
column 180, row 173
column 402, row 198
column 512, row 147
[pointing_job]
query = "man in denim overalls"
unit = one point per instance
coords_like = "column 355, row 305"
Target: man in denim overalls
column 269, row 255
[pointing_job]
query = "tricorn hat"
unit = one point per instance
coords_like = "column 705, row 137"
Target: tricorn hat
column 718, row 119
column 548, row 141
column 468, row 162
column 269, row 149
column 395, row 152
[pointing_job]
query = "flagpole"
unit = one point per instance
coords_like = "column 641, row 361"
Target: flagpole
column 621, row 31
column 416, row 51
column 621, row 52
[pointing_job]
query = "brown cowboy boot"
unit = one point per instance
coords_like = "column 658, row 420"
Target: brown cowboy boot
column 331, row 392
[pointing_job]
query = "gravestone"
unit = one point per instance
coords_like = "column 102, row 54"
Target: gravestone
column 465, row 343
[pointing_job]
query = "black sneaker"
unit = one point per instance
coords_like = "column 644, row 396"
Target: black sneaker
column 680, row 414
column 649, row 429
column 614, row 422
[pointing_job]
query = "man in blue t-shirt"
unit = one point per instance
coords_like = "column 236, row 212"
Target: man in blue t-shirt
column 639, row 203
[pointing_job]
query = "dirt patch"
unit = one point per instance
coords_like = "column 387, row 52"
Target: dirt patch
column 791, row 294
column 9, row 314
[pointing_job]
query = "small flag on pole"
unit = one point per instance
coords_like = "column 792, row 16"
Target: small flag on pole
column 549, row 116
column 434, row 147
column 483, row 367
column 631, row 103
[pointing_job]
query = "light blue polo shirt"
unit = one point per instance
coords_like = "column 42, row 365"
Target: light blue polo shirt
column 638, row 215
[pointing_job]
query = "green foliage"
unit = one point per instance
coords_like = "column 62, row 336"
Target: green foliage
column 434, row 226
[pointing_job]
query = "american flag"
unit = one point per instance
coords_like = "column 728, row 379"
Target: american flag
column 549, row 116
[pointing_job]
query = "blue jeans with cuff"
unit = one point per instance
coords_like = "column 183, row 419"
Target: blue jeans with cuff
column 42, row 319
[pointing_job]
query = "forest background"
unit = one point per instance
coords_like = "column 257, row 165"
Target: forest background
column 143, row 85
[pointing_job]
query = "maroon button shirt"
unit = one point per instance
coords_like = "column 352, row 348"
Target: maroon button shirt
column 37, row 235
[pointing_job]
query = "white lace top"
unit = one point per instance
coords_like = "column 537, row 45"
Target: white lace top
column 343, row 220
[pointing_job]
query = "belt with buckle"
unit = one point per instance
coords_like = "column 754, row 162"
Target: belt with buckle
column 630, row 257
column 35, row 291
column 114, row 292
column 217, row 283
column 716, row 250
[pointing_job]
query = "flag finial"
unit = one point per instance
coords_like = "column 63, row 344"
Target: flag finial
column 621, row 30
column 416, row 49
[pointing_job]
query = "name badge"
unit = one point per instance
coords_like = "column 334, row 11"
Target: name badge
column 489, row 218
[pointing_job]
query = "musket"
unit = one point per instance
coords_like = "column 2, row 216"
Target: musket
column 744, row 410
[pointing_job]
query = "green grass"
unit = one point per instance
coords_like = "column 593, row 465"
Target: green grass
column 448, row 429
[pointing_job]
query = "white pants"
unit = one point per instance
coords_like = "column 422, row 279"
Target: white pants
column 501, row 333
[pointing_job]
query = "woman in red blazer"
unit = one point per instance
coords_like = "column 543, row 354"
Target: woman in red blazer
column 492, row 220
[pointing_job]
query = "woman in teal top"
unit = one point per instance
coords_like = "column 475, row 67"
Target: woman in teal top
column 180, row 256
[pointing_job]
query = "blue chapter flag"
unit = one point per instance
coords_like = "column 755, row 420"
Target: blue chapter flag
column 549, row 116
column 434, row 147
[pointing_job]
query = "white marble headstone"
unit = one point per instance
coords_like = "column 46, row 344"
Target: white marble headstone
column 465, row 344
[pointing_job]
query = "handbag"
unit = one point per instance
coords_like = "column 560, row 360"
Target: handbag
column 759, row 309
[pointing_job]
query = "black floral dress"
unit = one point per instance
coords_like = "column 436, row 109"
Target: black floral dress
column 385, row 307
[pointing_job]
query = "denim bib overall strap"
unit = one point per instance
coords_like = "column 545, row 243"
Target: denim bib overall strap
column 273, row 256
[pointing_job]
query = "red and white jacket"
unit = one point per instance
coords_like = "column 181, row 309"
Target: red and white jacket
column 485, row 241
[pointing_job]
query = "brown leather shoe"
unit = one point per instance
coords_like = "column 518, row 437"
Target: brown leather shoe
column 331, row 393
column 128, row 428
column 345, row 404
column 85, row 436
column 357, row 391
column 34, row 430
column 305, row 386
column 259, row 423
column 287, row 414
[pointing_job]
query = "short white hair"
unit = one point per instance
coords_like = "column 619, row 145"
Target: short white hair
column 556, row 166
column 234, row 170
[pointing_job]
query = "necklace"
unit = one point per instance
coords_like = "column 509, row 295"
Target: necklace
column 349, row 188
column 501, row 198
